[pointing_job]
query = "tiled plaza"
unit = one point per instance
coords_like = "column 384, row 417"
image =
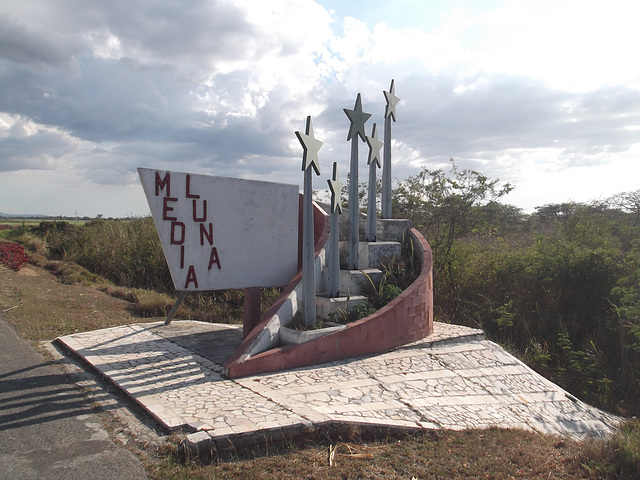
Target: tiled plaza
column 453, row 379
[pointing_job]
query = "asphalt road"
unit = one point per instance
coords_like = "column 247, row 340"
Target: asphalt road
column 48, row 428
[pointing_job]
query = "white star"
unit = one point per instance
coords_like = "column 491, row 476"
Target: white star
column 310, row 146
column 357, row 118
column 374, row 147
column 336, row 188
column 392, row 101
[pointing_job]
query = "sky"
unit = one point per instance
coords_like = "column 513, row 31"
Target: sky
column 542, row 94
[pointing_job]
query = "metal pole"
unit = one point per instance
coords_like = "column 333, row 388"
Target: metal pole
column 334, row 258
column 308, row 268
column 386, row 170
column 353, row 206
column 334, row 250
column 371, row 207
column 175, row 307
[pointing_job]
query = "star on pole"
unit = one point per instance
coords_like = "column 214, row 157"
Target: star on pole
column 357, row 118
column 336, row 187
column 310, row 146
column 375, row 146
column 392, row 101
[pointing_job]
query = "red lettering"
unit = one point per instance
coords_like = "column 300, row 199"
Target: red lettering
column 205, row 233
column 204, row 212
column 161, row 184
column 213, row 258
column 166, row 208
column 174, row 227
column 189, row 194
column 191, row 277
column 181, row 256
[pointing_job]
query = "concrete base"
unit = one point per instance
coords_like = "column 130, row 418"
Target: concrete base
column 290, row 336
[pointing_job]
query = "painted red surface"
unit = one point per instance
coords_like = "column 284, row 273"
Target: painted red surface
column 406, row 319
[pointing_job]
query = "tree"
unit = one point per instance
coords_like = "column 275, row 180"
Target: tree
column 446, row 207
column 627, row 201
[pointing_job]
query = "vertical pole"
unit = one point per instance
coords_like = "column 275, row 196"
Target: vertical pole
column 354, row 220
column 175, row 307
column 386, row 170
column 334, row 258
column 251, row 310
column 371, row 207
column 333, row 253
column 308, row 269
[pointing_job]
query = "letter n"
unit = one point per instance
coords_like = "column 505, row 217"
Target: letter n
column 206, row 233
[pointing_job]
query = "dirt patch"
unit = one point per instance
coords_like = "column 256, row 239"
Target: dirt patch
column 39, row 307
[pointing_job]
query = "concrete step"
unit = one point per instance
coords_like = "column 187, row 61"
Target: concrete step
column 372, row 254
column 325, row 306
column 392, row 229
column 359, row 282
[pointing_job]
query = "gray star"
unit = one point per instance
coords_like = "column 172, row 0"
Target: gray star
column 392, row 101
column 374, row 147
column 357, row 118
column 336, row 188
column 311, row 147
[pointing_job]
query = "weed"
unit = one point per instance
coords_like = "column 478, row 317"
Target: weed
column 617, row 457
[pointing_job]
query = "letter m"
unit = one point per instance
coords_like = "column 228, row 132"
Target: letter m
column 162, row 183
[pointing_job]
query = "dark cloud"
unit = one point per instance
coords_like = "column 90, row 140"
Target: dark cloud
column 22, row 45
column 500, row 113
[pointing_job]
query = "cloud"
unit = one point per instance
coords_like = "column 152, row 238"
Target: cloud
column 94, row 90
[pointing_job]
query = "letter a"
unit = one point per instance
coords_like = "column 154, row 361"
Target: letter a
column 213, row 258
column 191, row 277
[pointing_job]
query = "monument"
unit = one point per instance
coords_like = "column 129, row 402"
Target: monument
column 228, row 233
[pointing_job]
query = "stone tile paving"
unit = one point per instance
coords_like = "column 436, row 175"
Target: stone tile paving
column 453, row 379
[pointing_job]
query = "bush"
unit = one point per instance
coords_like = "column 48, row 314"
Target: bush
column 126, row 252
column 12, row 255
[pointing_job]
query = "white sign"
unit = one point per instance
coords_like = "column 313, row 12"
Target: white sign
column 220, row 233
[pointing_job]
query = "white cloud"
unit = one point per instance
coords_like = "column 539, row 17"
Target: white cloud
column 518, row 90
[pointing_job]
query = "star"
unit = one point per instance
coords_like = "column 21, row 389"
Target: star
column 336, row 187
column 311, row 147
column 374, row 147
column 357, row 118
column 392, row 101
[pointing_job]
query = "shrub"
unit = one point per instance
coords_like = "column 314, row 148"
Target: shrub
column 12, row 255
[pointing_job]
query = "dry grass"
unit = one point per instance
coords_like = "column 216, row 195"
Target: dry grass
column 39, row 307
column 473, row 454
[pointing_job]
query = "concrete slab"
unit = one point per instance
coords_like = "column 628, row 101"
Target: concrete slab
column 453, row 379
